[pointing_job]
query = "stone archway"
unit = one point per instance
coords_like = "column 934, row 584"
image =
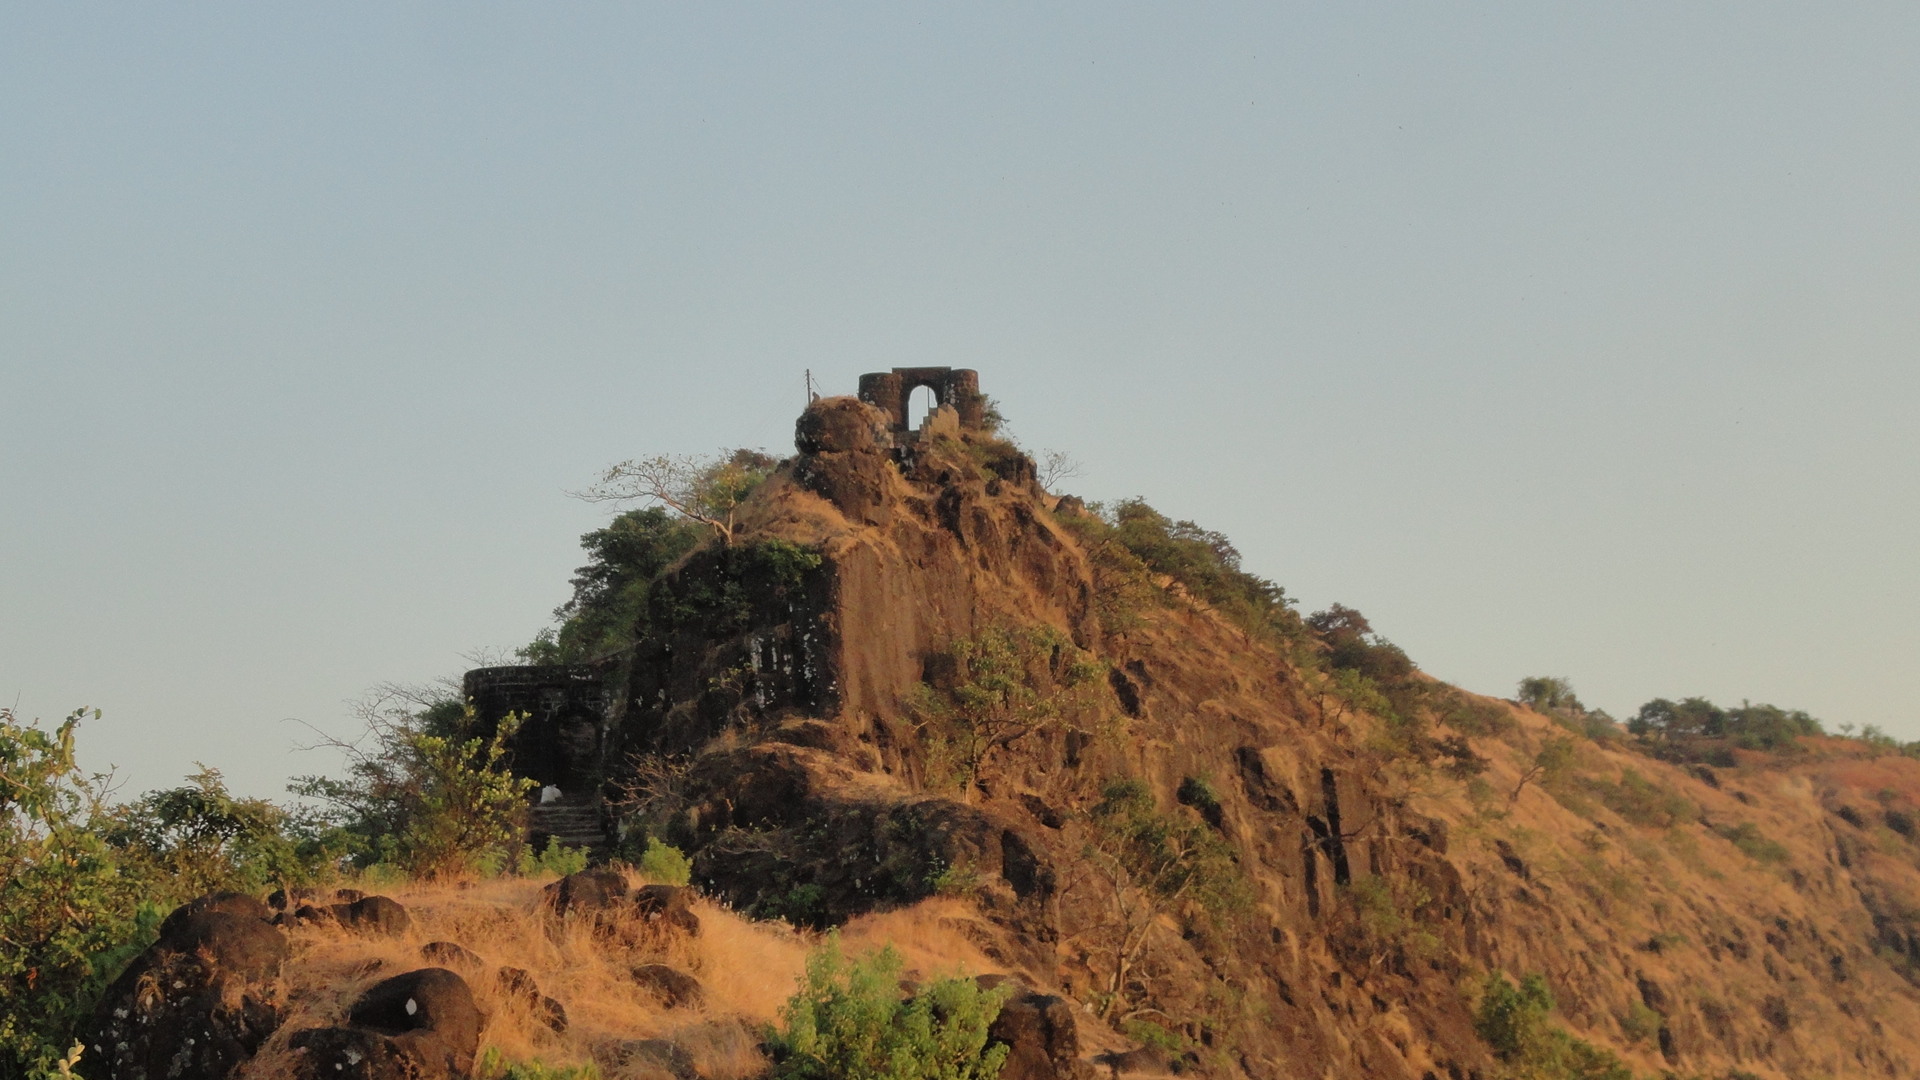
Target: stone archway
column 889, row 391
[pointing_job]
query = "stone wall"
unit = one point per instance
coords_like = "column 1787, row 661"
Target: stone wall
column 562, row 738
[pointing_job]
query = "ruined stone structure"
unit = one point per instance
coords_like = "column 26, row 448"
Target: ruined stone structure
column 958, row 388
column 565, row 705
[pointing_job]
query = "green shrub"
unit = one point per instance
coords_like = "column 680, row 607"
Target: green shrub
column 1123, row 586
column 665, row 863
column 1513, row 1022
column 1545, row 693
column 608, row 610
column 204, row 839
column 989, row 691
column 1695, row 726
column 1389, row 923
column 431, row 795
column 1154, row 863
column 1197, row 792
column 1351, row 644
column 1148, row 1033
column 1643, row 801
column 1747, row 837
column 493, row 1065
column 849, row 1022
column 1469, row 716
column 1129, row 543
column 1551, row 766
column 1207, row 563
column 957, row 879
column 1512, row 1019
column 1640, row 1024
column 70, row 912
column 557, row 859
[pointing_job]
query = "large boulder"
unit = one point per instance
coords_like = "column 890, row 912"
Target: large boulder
column 587, row 892
column 430, row 999
column 423, row 1025
column 342, row 1053
column 839, row 425
column 374, row 915
column 1043, row 1040
column 673, row 989
column 451, row 954
column 233, row 903
column 197, row 1003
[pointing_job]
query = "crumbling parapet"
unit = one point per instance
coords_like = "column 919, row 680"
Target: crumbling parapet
column 958, row 388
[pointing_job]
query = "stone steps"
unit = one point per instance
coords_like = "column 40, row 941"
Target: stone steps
column 575, row 821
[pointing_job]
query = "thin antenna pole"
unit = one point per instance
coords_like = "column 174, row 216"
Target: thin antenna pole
column 810, row 397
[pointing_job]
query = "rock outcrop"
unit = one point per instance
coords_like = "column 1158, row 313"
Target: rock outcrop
column 422, row 1025
column 787, row 696
column 196, row 1003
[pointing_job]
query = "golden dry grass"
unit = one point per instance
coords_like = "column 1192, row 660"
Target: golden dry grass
column 748, row 970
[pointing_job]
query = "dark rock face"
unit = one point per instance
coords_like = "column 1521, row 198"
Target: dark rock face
column 196, row 1004
column 674, row 989
column 588, row 891
column 1043, row 1041
column 860, row 484
column 422, row 1025
column 374, row 915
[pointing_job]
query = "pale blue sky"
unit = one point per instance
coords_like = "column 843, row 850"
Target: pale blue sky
column 1559, row 339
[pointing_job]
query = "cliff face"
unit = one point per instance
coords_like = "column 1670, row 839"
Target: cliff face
column 775, row 725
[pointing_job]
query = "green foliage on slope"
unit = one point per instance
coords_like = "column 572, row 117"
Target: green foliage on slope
column 849, row 1021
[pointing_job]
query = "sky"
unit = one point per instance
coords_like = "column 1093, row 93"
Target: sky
column 1558, row 339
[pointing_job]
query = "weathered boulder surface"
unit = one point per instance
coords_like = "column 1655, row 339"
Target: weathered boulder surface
column 373, row 915
column 197, row 1003
column 422, row 1025
column 519, row 984
column 840, row 425
column 587, row 892
column 1043, row 1041
column 451, row 954
column 674, row 989
column 668, row 905
column 233, row 903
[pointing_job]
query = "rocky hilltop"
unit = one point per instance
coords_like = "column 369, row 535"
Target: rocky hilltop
column 912, row 673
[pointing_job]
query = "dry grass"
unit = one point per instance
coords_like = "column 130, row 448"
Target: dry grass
column 748, row 970
column 936, row 937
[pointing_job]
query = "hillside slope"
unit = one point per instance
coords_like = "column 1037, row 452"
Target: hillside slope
column 788, row 720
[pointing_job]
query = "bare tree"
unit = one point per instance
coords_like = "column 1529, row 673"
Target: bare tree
column 1055, row 466
column 708, row 490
